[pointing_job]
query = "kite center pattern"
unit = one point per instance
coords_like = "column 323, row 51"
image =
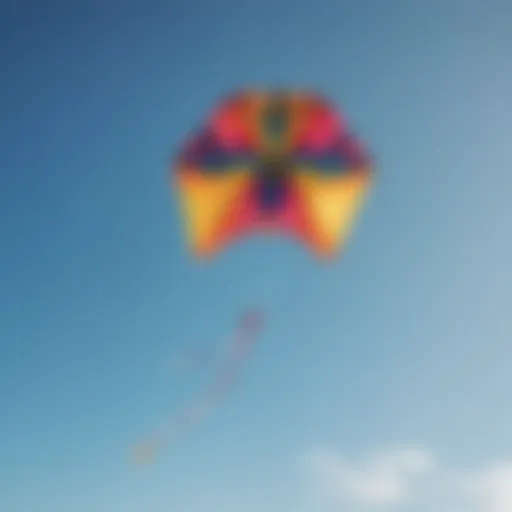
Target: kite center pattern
column 272, row 184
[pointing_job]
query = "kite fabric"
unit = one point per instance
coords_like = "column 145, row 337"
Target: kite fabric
column 249, row 328
column 272, row 162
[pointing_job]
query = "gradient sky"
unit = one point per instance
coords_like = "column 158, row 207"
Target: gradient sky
column 405, row 339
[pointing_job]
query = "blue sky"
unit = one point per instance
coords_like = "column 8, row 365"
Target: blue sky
column 405, row 340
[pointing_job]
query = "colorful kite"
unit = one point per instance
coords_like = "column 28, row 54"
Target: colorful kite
column 249, row 328
column 274, row 162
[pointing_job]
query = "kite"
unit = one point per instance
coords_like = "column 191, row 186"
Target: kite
column 250, row 326
column 264, row 162
column 272, row 162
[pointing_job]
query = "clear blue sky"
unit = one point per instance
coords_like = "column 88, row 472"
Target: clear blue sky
column 406, row 338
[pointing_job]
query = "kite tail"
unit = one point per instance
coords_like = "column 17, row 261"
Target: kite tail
column 247, row 331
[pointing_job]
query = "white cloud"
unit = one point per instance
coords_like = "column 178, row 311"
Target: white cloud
column 410, row 475
column 386, row 478
column 488, row 490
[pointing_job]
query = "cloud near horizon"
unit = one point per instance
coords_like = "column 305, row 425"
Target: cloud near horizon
column 392, row 478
